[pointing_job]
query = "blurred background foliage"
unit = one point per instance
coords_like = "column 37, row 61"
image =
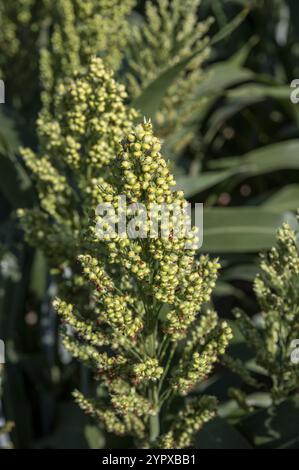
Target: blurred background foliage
column 220, row 100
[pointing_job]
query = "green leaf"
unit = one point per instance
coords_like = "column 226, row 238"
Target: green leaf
column 287, row 199
column 192, row 185
column 243, row 272
column 221, row 76
column 38, row 281
column 273, row 428
column 230, row 408
column 241, row 2
column 240, row 57
column 237, row 230
column 231, row 26
column 149, row 101
column 15, row 183
column 219, row 117
column 224, row 289
column 94, row 437
column 217, row 79
column 218, row 434
column 9, row 138
column 240, row 98
column 275, row 157
column 256, row 92
column 69, row 431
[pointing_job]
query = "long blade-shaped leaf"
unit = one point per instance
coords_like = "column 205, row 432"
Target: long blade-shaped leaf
column 235, row 230
column 150, row 99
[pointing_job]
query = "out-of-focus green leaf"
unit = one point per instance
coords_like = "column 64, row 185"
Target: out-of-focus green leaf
column 217, row 79
column 240, row 98
column 243, row 272
column 256, row 91
column 241, row 55
column 254, row 367
column 38, row 281
column 223, row 289
column 242, row 2
column 9, row 139
column 95, row 438
column 281, row 156
column 192, row 185
column 218, row 434
column 150, row 99
column 69, row 431
column 220, row 116
column 221, row 76
column 286, row 199
column 273, row 428
column 230, row 408
column 15, row 184
column 236, row 230
column 231, row 26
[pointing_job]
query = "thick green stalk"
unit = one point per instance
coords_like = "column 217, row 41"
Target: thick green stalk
column 154, row 427
column 154, row 421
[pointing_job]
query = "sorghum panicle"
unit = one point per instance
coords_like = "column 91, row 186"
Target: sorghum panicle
column 148, row 292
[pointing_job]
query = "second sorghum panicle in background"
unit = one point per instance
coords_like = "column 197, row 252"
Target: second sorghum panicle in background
column 276, row 335
column 77, row 141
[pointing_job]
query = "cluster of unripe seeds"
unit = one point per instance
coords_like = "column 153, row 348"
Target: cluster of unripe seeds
column 271, row 340
column 129, row 301
column 188, row 422
column 134, row 279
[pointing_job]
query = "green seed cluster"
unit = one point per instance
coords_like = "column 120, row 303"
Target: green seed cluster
column 196, row 289
column 77, row 141
column 83, row 327
column 126, row 400
column 277, row 290
column 240, row 397
column 173, row 276
column 106, row 416
column 149, row 370
column 80, row 30
column 134, row 280
column 189, row 421
column 138, row 301
column 237, row 366
column 105, row 122
column 100, row 361
column 174, row 24
column 48, row 177
column 125, row 415
column 19, row 65
column 200, row 355
column 61, row 37
column 115, row 309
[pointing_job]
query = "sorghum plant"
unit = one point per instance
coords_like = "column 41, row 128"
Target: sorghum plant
column 170, row 33
column 57, row 38
column 145, row 341
column 272, row 338
column 51, row 40
column 81, row 29
column 143, row 310
column 77, row 143
column 20, row 25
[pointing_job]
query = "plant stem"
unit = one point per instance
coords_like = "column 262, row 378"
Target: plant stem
column 166, row 369
column 154, row 427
